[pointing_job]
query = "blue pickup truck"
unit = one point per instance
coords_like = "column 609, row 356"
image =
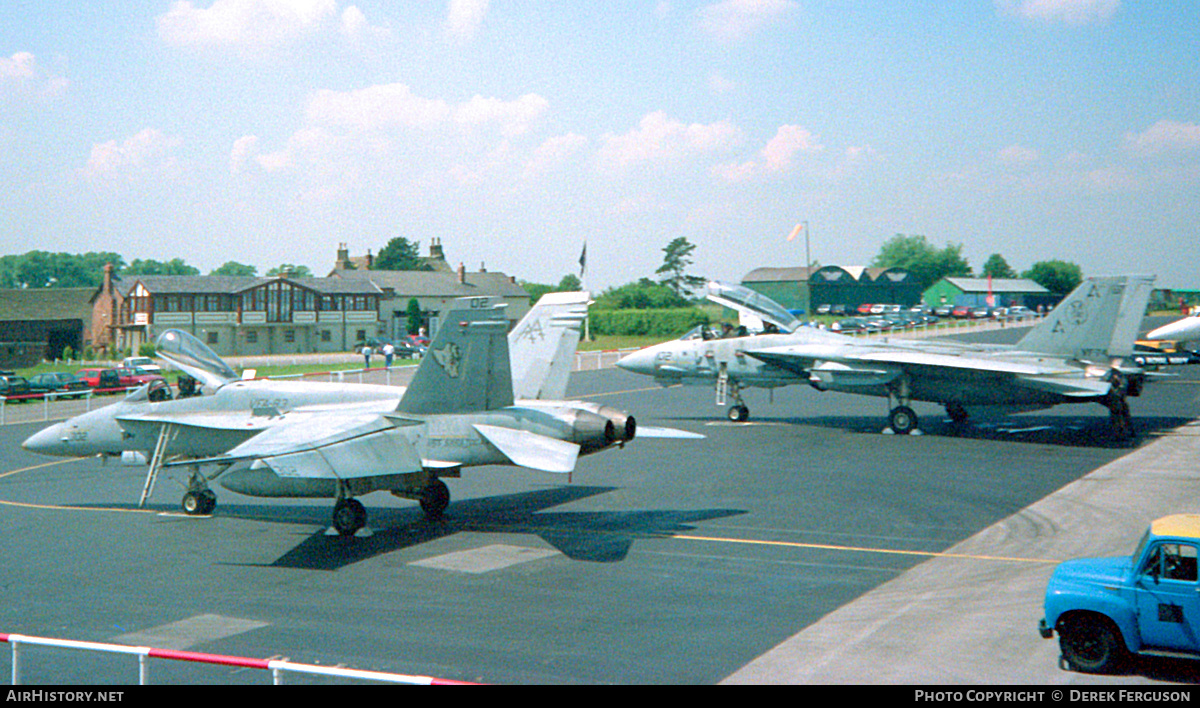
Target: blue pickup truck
column 1108, row 609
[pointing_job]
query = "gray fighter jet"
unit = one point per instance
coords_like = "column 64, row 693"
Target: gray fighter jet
column 1078, row 353
column 311, row 439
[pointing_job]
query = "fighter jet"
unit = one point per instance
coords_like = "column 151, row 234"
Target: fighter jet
column 1184, row 330
column 1078, row 353
column 292, row 439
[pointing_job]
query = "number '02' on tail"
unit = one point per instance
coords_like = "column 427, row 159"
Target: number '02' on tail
column 466, row 367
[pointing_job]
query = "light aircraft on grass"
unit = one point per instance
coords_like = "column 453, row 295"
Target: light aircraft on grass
column 316, row 439
column 1078, row 353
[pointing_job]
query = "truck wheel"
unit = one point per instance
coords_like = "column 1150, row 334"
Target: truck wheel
column 1091, row 644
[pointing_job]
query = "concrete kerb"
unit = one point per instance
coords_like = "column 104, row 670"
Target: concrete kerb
column 964, row 618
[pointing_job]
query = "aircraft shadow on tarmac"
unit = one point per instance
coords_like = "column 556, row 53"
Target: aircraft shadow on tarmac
column 1061, row 430
column 595, row 536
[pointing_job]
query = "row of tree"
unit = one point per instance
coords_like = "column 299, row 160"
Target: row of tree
column 929, row 264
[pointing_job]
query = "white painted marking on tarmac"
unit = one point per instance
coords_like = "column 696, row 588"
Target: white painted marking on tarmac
column 485, row 559
column 189, row 632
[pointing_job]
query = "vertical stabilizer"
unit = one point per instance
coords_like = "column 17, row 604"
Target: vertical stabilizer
column 542, row 346
column 466, row 367
column 1098, row 320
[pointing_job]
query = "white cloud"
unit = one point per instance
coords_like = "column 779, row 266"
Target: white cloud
column 465, row 17
column 259, row 24
column 1017, row 155
column 21, row 75
column 1166, row 137
column 554, row 152
column 735, row 20
column 1072, row 12
column 789, row 139
column 148, row 155
column 720, row 85
column 659, row 139
column 244, row 150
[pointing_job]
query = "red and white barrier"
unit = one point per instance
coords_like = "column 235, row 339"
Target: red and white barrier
column 277, row 667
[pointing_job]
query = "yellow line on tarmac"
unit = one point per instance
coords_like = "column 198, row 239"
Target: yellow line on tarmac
column 58, row 507
column 860, row 549
column 44, row 464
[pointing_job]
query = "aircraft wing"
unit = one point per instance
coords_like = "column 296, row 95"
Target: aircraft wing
column 876, row 364
column 327, row 445
column 530, row 449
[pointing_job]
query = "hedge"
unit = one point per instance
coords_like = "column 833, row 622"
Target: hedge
column 657, row 323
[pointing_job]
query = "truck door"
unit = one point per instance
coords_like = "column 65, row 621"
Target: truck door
column 1168, row 598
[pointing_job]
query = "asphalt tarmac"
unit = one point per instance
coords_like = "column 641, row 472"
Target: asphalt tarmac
column 803, row 546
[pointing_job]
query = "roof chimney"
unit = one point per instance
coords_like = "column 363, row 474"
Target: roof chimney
column 462, row 272
column 435, row 249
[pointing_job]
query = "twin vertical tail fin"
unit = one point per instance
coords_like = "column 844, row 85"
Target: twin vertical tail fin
column 466, row 367
column 543, row 344
column 1096, row 321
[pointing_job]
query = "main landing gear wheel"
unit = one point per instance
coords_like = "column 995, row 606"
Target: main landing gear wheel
column 199, row 503
column 903, row 420
column 349, row 516
column 435, row 498
column 957, row 412
column 738, row 413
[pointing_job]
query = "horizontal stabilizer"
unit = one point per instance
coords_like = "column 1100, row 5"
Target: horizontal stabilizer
column 530, row 449
column 649, row 431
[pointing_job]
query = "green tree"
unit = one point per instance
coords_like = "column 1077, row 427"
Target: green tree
column 677, row 258
column 413, row 316
column 399, row 254
column 1059, row 277
column 42, row 269
column 569, row 283
column 149, row 266
column 295, row 271
column 927, row 263
column 997, row 267
column 641, row 295
column 235, row 268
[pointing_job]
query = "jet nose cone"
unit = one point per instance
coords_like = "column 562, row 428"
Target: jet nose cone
column 47, row 441
column 639, row 362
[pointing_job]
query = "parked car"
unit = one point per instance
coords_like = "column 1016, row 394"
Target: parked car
column 838, row 310
column 864, row 309
column 131, row 377
column 1017, row 312
column 1106, row 609
column 14, row 388
column 961, row 312
column 943, row 310
column 100, row 379
column 57, row 382
column 144, row 363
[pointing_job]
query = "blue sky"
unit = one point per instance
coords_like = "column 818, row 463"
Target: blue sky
column 269, row 131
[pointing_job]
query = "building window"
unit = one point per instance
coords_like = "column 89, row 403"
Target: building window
column 289, row 335
column 326, row 335
column 210, row 337
column 252, row 337
column 361, row 336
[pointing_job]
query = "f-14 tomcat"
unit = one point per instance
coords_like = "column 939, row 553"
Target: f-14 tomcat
column 1079, row 353
column 313, row 439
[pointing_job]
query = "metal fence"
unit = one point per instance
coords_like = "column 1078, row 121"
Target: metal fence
column 277, row 667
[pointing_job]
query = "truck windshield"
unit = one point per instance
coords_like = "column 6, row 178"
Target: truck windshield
column 1137, row 552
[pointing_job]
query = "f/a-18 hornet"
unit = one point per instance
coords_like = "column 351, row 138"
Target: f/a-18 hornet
column 1079, row 353
column 314, row 439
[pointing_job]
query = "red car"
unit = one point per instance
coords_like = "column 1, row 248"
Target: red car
column 100, row 378
column 132, row 377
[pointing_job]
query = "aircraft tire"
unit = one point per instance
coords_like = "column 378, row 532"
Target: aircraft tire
column 199, row 503
column 435, row 498
column 738, row 413
column 903, row 420
column 349, row 516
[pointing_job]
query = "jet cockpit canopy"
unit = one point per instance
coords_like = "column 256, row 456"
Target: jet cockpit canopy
column 194, row 358
column 756, row 306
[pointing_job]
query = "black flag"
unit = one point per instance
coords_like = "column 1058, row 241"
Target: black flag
column 583, row 260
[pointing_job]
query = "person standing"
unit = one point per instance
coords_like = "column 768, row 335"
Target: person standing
column 366, row 352
column 388, row 352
